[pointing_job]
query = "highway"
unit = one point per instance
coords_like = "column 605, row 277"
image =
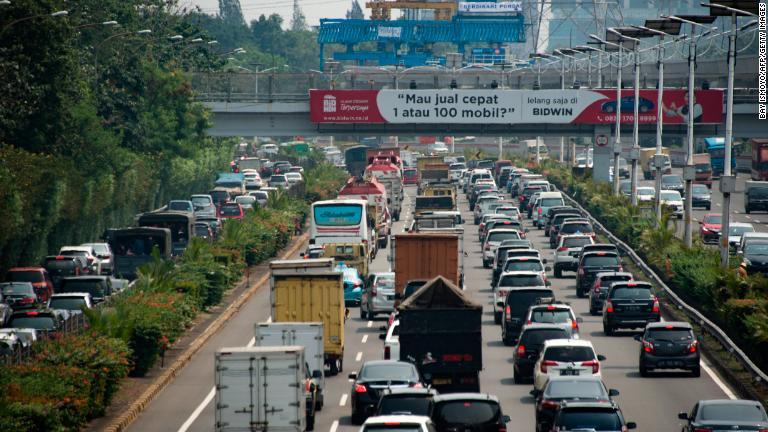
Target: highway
column 187, row 403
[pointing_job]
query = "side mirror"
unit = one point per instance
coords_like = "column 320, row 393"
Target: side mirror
column 631, row 425
column 534, row 393
column 353, row 376
column 505, row 419
column 613, row 392
column 638, row 338
column 548, row 283
column 383, row 328
column 682, row 415
column 601, row 357
column 547, row 268
column 317, row 374
column 579, row 320
column 544, row 260
column 302, row 254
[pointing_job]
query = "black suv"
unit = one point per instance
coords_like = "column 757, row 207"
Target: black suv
column 569, row 225
column 41, row 320
column 725, row 414
column 629, row 305
column 592, row 263
column 603, row 416
column 669, row 345
column 529, row 345
column 373, row 378
column 410, row 401
column 515, row 307
column 478, row 412
column 99, row 287
column 567, row 388
column 600, row 287
column 554, row 211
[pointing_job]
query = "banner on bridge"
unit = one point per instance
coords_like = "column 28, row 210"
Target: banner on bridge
column 578, row 107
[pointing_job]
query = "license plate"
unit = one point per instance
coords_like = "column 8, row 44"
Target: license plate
column 569, row 372
column 389, row 297
column 672, row 364
column 631, row 308
column 441, row 381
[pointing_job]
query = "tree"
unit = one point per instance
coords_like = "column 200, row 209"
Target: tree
column 356, row 12
column 298, row 21
column 231, row 13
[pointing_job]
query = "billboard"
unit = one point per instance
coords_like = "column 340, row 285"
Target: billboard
column 582, row 106
column 490, row 7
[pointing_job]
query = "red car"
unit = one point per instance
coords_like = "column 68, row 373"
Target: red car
column 709, row 227
column 410, row 176
column 37, row 276
column 231, row 210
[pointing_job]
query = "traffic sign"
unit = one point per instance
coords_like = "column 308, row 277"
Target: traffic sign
column 601, row 140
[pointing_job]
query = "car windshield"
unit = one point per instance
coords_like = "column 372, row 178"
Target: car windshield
column 713, row 219
column 17, row 289
column 550, row 202
column 520, row 265
column 626, row 293
column 93, row 287
column 759, row 193
column 576, row 227
column 576, row 241
column 532, row 337
column 646, row 191
column 68, row 303
column 509, row 211
column 35, row 322
column 673, row 334
column 521, row 281
column 466, row 412
column 739, row 230
column 671, row 179
column 412, row 287
column 520, row 301
column 60, row 264
column 415, row 405
column 575, row 389
column 245, row 199
column 568, row 354
column 277, row 179
column 230, row 210
column 731, row 412
column 25, row 276
column 700, row 190
column 392, row 427
column 559, row 316
column 590, row 419
column 178, row 205
column 201, row 230
column 389, row 372
column 670, row 196
column 600, row 261
column 756, row 248
column 385, row 282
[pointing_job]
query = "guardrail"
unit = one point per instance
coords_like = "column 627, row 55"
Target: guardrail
column 705, row 323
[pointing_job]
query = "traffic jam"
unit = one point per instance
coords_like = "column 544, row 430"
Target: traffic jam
column 497, row 305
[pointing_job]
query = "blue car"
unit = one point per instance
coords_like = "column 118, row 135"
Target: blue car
column 627, row 105
column 353, row 285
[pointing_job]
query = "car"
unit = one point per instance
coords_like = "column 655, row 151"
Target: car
column 628, row 105
column 557, row 221
column 525, row 196
column 599, row 247
column 554, row 211
column 42, row 320
column 99, row 287
column 735, row 231
column 511, row 280
column 506, row 223
column 477, row 412
column 549, row 311
column 5, row 307
column 231, row 210
column 203, row 230
column 673, row 202
column 500, row 258
column 561, row 389
column 701, row 196
column 526, row 263
column 37, row 276
column 94, row 263
column 603, row 416
column 646, row 194
column 281, row 167
column 492, row 240
column 374, row 376
column 391, row 338
column 600, row 286
column 547, row 201
column 625, row 187
column 482, row 205
column 515, row 307
column 455, row 170
column 14, row 339
column 488, row 218
column 213, row 221
column 725, row 414
column 566, row 357
column 353, row 284
column 379, row 295
column 754, row 257
column 474, row 176
column 592, row 263
column 247, row 202
column 293, row 178
column 19, row 295
column 398, row 423
column 574, row 226
column 533, row 201
column 279, row 181
column 669, row 345
column 104, row 254
column 529, row 344
column 181, row 205
column 509, row 210
column 73, row 302
column 568, row 251
column 60, row 266
column 673, row 182
column 630, row 304
column 411, row 401
column 203, row 205
column 252, row 179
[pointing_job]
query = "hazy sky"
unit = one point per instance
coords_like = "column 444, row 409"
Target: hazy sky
column 313, row 9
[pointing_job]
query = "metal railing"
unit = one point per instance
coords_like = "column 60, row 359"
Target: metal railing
column 21, row 353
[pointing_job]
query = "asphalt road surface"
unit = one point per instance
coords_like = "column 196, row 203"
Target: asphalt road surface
column 186, row 404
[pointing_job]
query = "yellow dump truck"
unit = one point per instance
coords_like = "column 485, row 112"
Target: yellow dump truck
column 309, row 290
column 352, row 254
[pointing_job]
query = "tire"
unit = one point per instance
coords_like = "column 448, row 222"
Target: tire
column 357, row 418
column 643, row 371
column 333, row 369
column 558, row 271
column 709, row 207
column 319, row 403
column 747, row 210
column 310, row 423
column 486, row 264
column 497, row 317
column 696, row 372
column 363, row 314
column 593, row 312
column 507, row 341
column 608, row 330
column 517, row 378
column 579, row 292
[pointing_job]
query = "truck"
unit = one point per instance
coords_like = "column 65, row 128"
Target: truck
column 434, row 173
column 703, row 169
column 423, row 161
column 755, row 196
column 234, row 183
column 390, row 176
column 440, row 333
column 375, row 193
column 133, row 247
column 355, row 160
column 385, row 154
column 425, row 255
column 262, row 388
column 305, row 334
column 646, row 162
column 307, row 289
column 759, row 167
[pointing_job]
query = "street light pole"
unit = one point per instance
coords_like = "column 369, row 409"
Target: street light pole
column 636, row 129
column 617, row 143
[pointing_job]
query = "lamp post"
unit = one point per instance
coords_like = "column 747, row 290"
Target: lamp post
column 562, row 54
column 727, row 180
column 589, row 50
column 102, row 24
column 57, row 14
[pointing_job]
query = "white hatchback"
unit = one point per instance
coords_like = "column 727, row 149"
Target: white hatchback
column 566, row 357
column 398, row 423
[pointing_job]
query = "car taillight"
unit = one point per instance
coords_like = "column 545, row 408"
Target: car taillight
column 508, row 313
column 647, row 346
column 373, row 291
column 417, row 385
column 562, row 249
column 655, row 306
column 539, row 211
column 357, row 284
column 487, row 246
column 549, row 404
column 27, row 300
column 574, row 325
column 545, row 364
column 595, row 365
column 703, row 429
column 502, row 429
column 359, row 388
column 693, row 347
column 608, row 306
column 521, row 351
column 387, row 352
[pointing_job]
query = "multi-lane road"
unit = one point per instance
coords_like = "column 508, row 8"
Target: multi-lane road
column 187, row 403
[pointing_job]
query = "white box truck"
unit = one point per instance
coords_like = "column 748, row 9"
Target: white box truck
column 261, row 389
column 308, row 335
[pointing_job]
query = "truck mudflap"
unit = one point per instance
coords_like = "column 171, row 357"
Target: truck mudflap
column 335, row 363
column 454, row 383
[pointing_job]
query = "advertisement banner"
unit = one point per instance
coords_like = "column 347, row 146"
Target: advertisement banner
column 578, row 107
column 490, row 7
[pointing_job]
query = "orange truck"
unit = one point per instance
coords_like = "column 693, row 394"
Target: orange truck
column 426, row 255
column 703, row 167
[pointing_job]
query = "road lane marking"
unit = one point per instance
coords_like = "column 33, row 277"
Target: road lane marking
column 748, row 217
column 359, row 356
column 370, row 324
column 718, row 204
column 343, row 400
column 365, row 338
column 334, row 426
column 716, row 379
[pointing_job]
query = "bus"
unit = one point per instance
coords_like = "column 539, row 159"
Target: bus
column 759, row 168
column 339, row 221
column 716, row 149
column 133, row 247
column 355, row 158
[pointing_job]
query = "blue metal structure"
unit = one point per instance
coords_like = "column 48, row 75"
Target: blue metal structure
column 415, row 36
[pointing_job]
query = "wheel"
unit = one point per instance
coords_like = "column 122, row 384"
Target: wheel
column 486, row 264
column 558, row 272
column 497, row 317
column 709, row 207
column 696, row 372
column 593, row 312
column 319, row 403
column 333, row 369
column 643, row 371
column 608, row 330
column 357, row 418
column 518, row 379
column 579, row 292
column 310, row 423
column 363, row 314
column 341, row 363
column 507, row 341
column 746, row 210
